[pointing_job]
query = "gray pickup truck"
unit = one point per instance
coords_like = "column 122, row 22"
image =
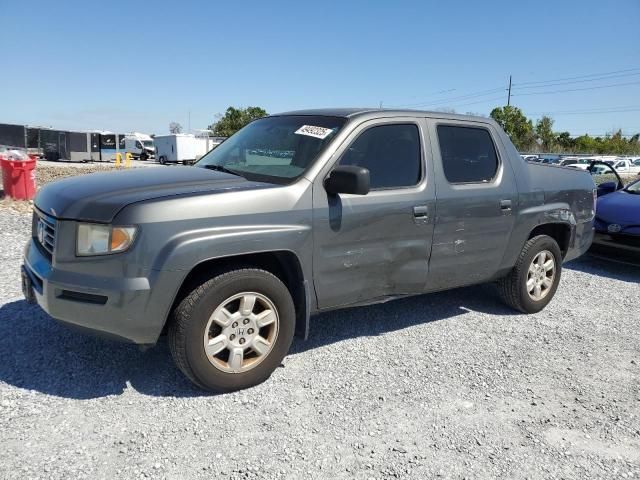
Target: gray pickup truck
column 295, row 214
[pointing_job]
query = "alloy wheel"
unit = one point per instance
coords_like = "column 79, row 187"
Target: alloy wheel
column 541, row 275
column 241, row 332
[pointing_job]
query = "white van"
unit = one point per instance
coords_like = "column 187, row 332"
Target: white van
column 182, row 147
column 139, row 145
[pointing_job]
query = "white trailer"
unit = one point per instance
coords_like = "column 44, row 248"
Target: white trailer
column 182, row 147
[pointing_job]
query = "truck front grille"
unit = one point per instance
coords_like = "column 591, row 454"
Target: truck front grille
column 44, row 232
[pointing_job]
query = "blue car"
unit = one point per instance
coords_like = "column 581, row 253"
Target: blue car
column 617, row 221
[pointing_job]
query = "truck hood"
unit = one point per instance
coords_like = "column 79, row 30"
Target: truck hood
column 98, row 197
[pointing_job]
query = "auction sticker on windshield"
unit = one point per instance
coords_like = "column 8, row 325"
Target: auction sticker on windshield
column 311, row 131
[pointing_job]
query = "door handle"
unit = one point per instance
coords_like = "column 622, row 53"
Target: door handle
column 421, row 214
column 505, row 205
column 420, row 211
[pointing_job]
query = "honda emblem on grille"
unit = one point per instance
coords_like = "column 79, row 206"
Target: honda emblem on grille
column 40, row 231
column 614, row 228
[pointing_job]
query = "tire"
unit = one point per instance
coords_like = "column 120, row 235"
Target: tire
column 143, row 157
column 193, row 326
column 514, row 287
column 163, row 160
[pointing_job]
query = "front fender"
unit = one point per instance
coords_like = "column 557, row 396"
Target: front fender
column 188, row 249
column 185, row 251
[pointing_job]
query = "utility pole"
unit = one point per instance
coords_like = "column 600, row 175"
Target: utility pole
column 509, row 95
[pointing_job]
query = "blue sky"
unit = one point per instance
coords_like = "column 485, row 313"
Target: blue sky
column 130, row 65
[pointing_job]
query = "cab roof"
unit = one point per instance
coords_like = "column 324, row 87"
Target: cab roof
column 382, row 112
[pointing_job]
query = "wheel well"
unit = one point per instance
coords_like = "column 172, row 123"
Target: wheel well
column 560, row 232
column 283, row 264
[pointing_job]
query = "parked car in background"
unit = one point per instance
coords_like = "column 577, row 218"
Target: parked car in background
column 576, row 162
column 551, row 161
column 626, row 166
column 617, row 222
column 582, row 163
column 296, row 214
column 600, row 170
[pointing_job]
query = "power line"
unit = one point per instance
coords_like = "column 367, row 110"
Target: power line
column 536, row 84
column 440, row 92
column 578, row 77
column 450, row 99
column 578, row 89
column 611, row 77
column 589, row 111
column 592, row 77
column 457, row 105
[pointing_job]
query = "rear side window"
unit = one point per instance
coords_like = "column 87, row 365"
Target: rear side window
column 391, row 153
column 468, row 154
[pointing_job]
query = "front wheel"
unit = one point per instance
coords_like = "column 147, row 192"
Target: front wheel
column 162, row 160
column 533, row 281
column 233, row 330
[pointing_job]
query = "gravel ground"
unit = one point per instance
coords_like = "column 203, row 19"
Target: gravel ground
column 450, row 385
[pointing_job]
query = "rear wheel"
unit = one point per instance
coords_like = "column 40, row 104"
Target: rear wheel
column 533, row 281
column 233, row 330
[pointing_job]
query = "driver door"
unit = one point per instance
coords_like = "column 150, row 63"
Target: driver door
column 369, row 247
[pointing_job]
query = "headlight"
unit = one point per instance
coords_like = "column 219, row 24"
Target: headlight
column 96, row 239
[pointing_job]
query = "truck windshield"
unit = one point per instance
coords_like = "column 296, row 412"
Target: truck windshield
column 274, row 149
column 148, row 143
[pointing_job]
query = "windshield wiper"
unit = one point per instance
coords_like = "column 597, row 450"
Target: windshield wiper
column 220, row 168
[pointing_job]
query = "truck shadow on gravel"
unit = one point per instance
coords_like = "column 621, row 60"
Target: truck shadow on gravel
column 603, row 266
column 37, row 353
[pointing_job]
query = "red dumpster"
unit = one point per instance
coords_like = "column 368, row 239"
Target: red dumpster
column 19, row 178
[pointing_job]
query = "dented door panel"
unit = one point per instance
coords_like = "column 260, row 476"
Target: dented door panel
column 376, row 245
column 473, row 221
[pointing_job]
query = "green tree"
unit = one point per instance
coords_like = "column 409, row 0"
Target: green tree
column 516, row 125
column 586, row 144
column 234, row 119
column 617, row 144
column 544, row 131
column 565, row 142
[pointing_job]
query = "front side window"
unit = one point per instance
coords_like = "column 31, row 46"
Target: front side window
column 391, row 153
column 274, row 149
column 468, row 154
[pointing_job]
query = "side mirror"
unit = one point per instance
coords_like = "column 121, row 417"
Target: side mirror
column 347, row 179
column 607, row 187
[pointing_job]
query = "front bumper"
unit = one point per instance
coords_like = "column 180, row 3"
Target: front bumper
column 622, row 247
column 128, row 309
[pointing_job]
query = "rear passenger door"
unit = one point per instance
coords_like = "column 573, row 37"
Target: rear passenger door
column 376, row 245
column 476, row 203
